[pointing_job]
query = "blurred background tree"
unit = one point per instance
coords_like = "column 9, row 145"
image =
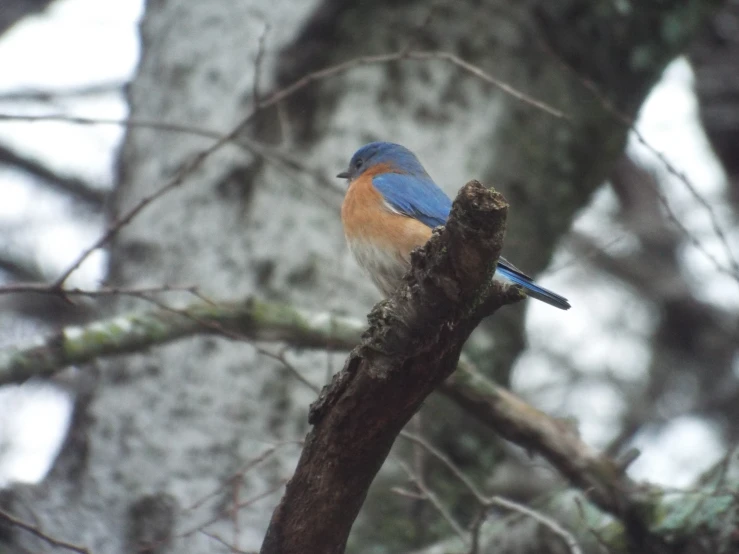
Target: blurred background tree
column 165, row 442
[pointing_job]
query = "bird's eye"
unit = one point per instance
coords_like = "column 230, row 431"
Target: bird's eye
column 359, row 163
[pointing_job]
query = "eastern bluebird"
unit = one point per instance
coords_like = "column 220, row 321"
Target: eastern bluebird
column 391, row 207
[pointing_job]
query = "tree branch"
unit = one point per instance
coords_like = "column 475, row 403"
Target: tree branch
column 251, row 319
column 412, row 345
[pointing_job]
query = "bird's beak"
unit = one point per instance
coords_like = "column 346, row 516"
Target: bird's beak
column 343, row 175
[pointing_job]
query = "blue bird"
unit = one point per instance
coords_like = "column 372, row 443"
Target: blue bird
column 390, row 208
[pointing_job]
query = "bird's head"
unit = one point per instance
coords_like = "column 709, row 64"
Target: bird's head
column 383, row 157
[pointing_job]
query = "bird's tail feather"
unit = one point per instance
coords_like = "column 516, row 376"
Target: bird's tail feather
column 533, row 290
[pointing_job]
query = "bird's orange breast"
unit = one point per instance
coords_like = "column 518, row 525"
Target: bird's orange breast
column 368, row 218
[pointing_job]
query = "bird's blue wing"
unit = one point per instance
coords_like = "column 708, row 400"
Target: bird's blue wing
column 421, row 199
column 417, row 197
column 511, row 273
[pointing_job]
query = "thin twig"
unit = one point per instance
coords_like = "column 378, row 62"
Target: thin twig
column 212, row 325
column 258, row 64
column 486, row 502
column 475, row 528
column 51, row 95
column 248, row 502
column 37, row 532
column 225, row 511
column 407, row 494
column 126, row 123
column 240, row 473
column 630, row 124
column 290, row 367
column 435, row 501
column 682, row 177
column 235, row 499
column 275, row 98
column 46, row 288
column 436, row 453
column 269, row 153
column 232, row 547
column 544, row 520
column 486, row 77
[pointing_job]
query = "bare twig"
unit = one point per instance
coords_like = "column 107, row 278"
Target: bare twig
column 439, row 455
column 487, row 78
column 37, row 532
column 546, row 521
column 277, row 486
column 628, row 122
column 235, row 500
column 251, row 464
column 43, row 288
column 430, row 495
column 231, row 547
column 280, row 357
column 408, row 494
column 127, row 123
column 228, row 510
column 486, row 502
column 52, row 95
column 258, row 64
column 275, row 98
column 475, row 528
column 271, row 154
column 683, row 178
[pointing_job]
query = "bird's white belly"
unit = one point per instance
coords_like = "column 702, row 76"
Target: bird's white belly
column 385, row 266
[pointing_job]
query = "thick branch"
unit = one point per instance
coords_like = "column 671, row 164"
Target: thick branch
column 412, row 345
column 135, row 332
column 558, row 441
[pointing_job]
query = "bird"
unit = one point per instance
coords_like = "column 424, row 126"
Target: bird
column 391, row 207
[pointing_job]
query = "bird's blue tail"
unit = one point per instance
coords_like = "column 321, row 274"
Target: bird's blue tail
column 532, row 289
